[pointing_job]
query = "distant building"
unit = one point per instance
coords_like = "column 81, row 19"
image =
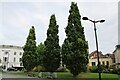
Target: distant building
column 106, row 60
column 11, row 56
column 116, row 52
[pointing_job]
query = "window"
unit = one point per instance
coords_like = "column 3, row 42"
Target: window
column 20, row 59
column 103, row 63
column 93, row 63
column 20, row 53
column 113, row 60
column 4, row 67
column 6, row 53
column 21, row 64
column 14, row 53
column 5, row 59
column 107, row 63
column 14, row 59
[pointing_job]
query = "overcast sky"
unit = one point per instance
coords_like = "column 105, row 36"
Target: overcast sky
column 18, row 17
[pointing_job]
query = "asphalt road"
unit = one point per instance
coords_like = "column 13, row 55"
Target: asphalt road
column 9, row 76
column 0, row 75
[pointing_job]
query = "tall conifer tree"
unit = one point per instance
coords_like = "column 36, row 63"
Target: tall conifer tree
column 40, row 51
column 74, row 48
column 29, row 57
column 51, row 58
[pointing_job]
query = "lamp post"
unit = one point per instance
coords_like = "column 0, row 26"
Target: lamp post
column 101, row 21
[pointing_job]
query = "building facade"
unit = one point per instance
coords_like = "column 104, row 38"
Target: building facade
column 106, row 60
column 10, row 56
column 116, row 52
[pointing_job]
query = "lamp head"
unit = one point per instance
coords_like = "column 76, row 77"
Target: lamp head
column 85, row 18
column 101, row 21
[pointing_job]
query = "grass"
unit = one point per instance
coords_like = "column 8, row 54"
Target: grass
column 95, row 75
column 84, row 76
column 64, row 75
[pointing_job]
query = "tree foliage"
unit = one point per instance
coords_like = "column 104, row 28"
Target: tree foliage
column 40, row 52
column 51, row 58
column 74, row 48
column 29, row 56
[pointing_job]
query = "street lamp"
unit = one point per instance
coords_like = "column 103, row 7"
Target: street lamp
column 101, row 21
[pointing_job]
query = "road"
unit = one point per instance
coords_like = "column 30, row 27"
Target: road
column 9, row 76
column 0, row 75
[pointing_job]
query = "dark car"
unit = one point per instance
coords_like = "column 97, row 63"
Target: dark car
column 11, row 69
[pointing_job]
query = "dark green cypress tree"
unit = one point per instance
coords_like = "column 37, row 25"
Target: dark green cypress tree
column 29, row 57
column 51, row 58
column 40, row 51
column 74, row 48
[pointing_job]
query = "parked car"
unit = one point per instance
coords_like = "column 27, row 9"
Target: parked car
column 11, row 69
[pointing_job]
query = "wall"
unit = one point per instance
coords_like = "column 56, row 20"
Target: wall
column 101, row 60
column 117, row 56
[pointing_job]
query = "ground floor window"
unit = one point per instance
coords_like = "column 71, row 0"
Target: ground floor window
column 4, row 67
column 21, row 64
column 103, row 63
column 107, row 63
column 93, row 64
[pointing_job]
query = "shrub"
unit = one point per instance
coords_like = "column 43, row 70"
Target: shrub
column 43, row 69
column 62, row 69
column 103, row 69
column 112, row 67
column 94, row 69
column 116, row 71
column 38, row 69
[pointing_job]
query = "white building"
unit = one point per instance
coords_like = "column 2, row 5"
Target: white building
column 10, row 56
column 117, row 56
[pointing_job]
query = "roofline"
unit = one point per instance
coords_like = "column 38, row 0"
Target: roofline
column 10, row 46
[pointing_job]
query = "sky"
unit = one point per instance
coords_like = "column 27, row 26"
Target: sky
column 17, row 17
